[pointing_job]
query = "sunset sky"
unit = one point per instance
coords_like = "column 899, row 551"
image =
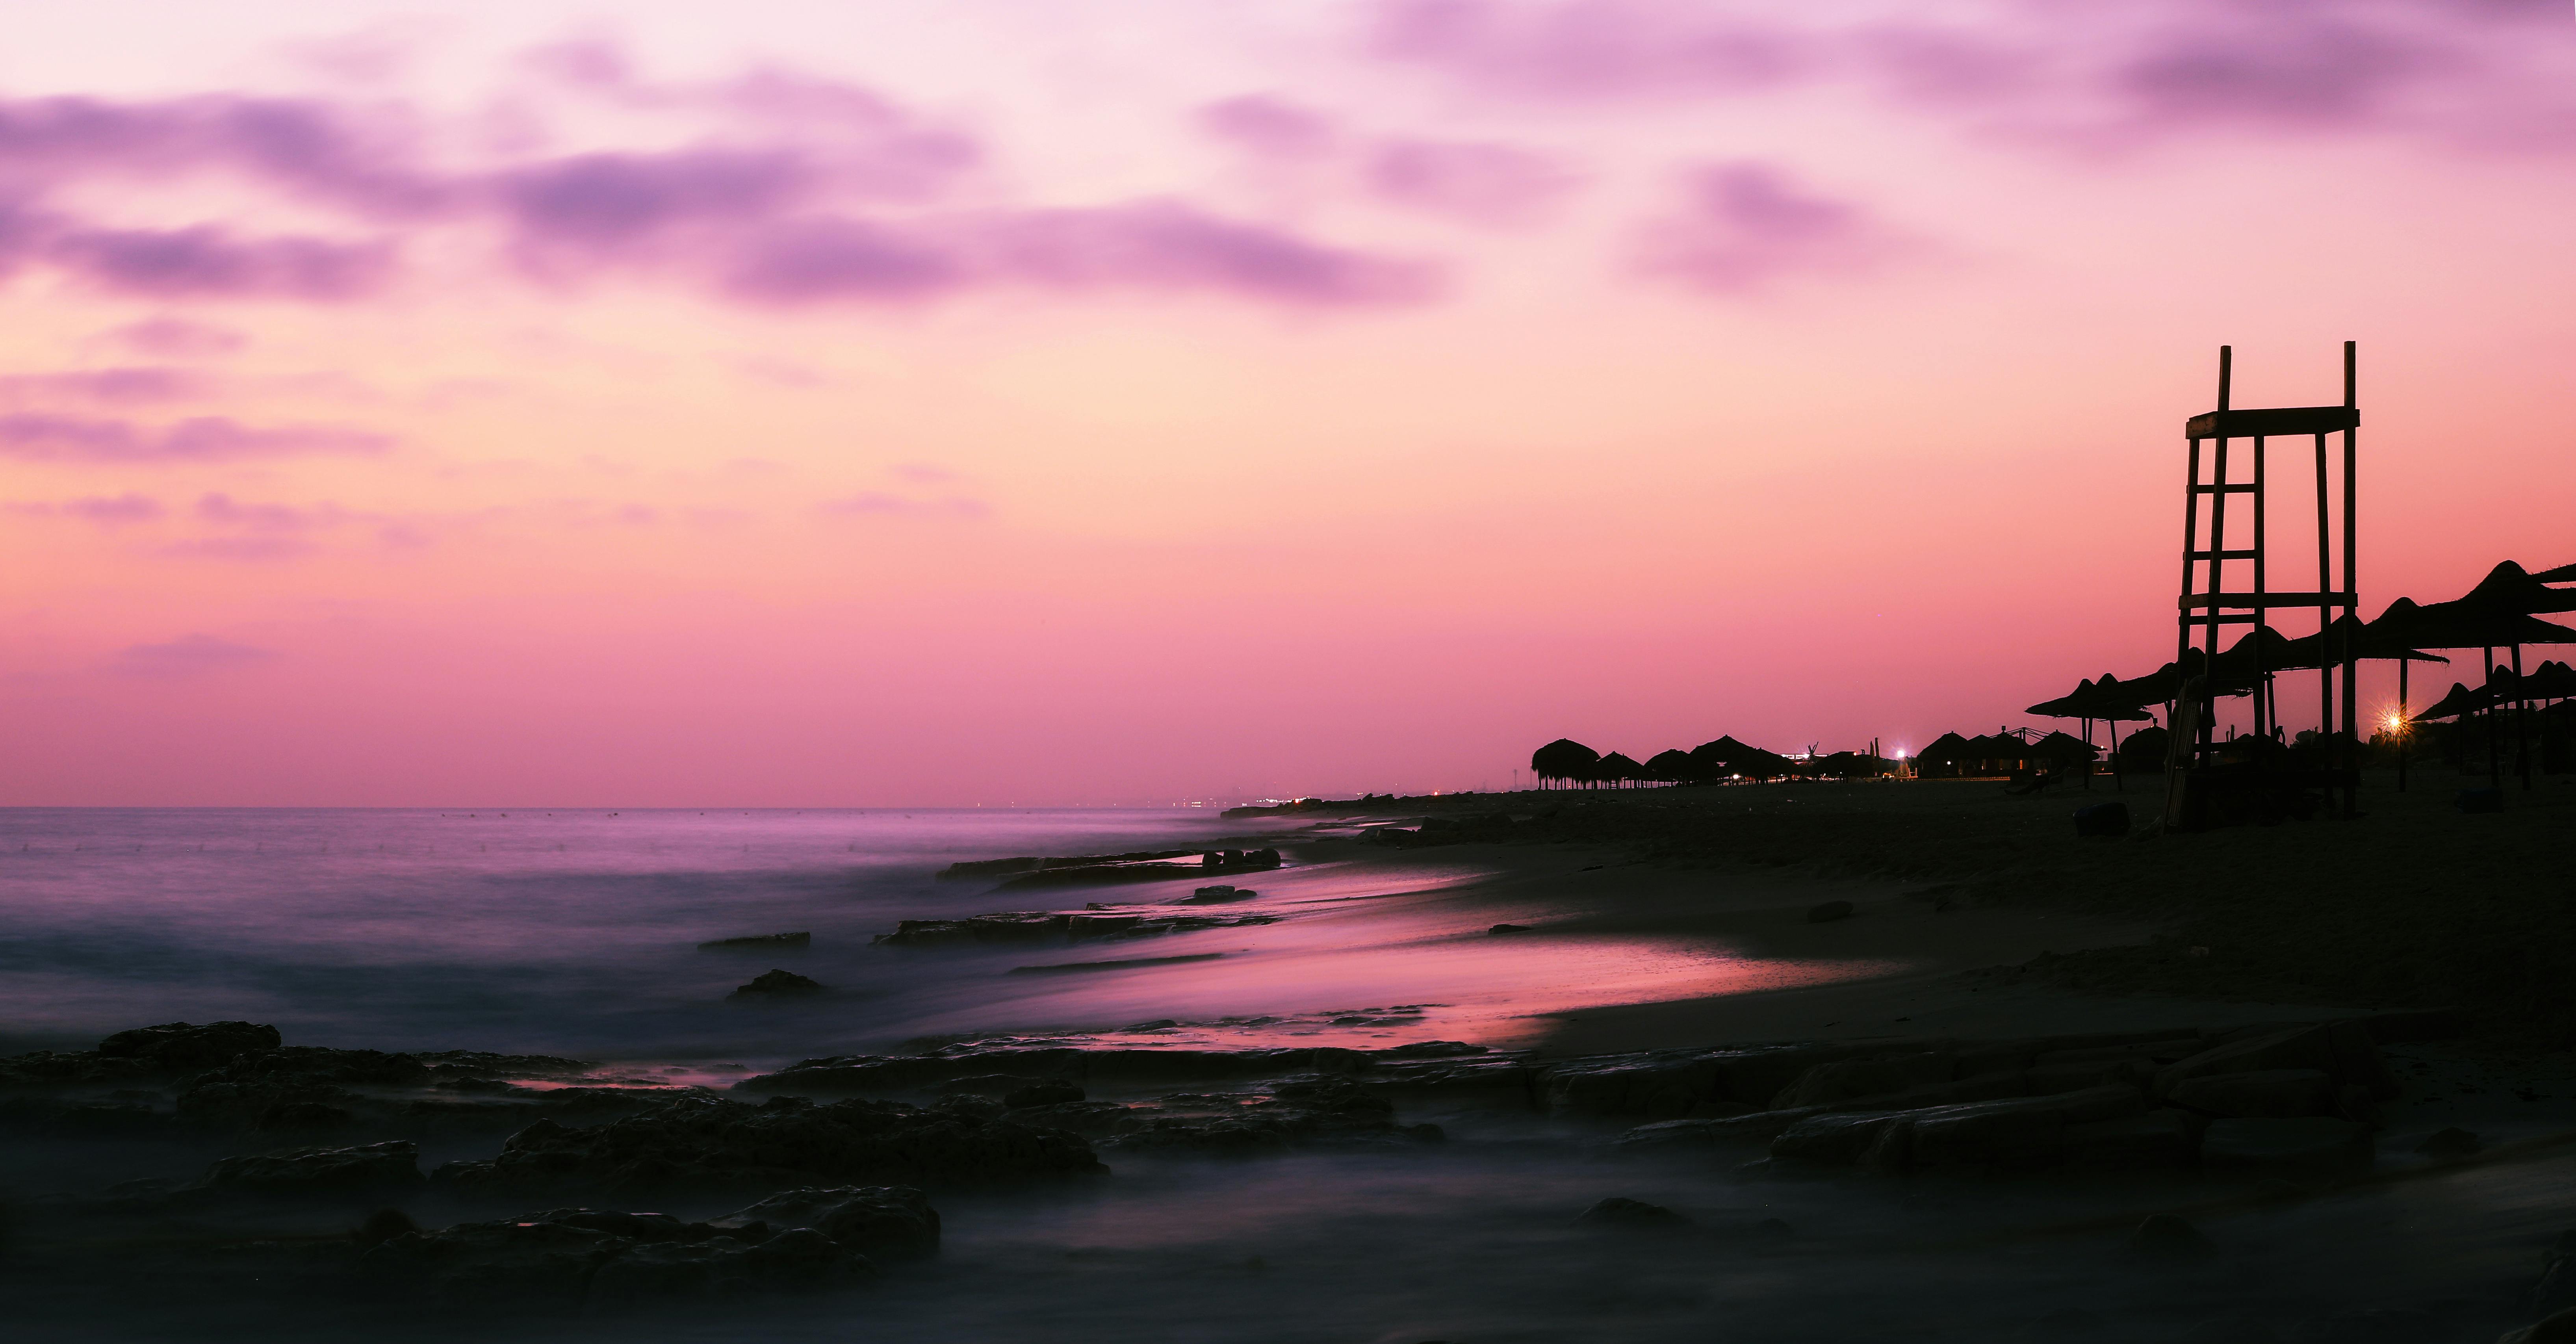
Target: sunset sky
column 1089, row 401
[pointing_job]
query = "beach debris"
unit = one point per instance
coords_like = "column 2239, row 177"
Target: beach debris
column 1509, row 928
column 2451, row 1142
column 1830, row 911
column 1218, row 895
column 2108, row 821
column 598, row 1261
column 779, row 983
column 700, row 1146
column 1619, row 1213
column 759, row 942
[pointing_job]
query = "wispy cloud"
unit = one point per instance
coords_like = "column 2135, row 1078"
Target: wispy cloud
column 106, row 511
column 186, row 656
column 880, row 504
column 1746, row 226
column 46, row 437
column 115, row 387
column 777, row 189
column 178, row 338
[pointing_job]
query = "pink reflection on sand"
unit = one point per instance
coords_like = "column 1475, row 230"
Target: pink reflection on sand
column 1412, row 963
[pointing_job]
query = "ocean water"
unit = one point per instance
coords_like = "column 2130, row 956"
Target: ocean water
column 576, row 932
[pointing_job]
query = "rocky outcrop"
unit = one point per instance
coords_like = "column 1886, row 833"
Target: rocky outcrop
column 1212, row 863
column 2268, row 1097
column 1421, row 1065
column 708, row 1146
column 1305, row 1112
column 1042, row 926
column 759, row 942
column 371, row 1171
column 776, row 984
column 599, row 1261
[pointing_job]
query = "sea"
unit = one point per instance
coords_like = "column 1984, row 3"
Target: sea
column 577, row 932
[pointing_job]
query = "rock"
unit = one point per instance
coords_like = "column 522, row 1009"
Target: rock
column 2343, row 1051
column 1509, row 928
column 1047, row 1093
column 758, row 942
column 2165, row 1138
column 2262, row 1094
column 1830, row 911
column 373, row 1169
column 2558, row 1328
column 2452, row 1142
column 601, row 1261
column 1851, row 1079
column 382, row 1226
column 2165, row 1237
column 1836, row 1139
column 2311, row 1142
column 883, row 1222
column 1217, row 895
column 2108, row 821
column 1302, row 1112
column 182, row 1045
column 703, row 1145
column 1630, row 1215
column 2556, row 1290
column 781, row 983
column 2029, row 1132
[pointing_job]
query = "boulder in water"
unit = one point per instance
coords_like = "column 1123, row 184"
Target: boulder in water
column 780, row 984
column 373, row 1169
column 1637, row 1215
column 184, row 1045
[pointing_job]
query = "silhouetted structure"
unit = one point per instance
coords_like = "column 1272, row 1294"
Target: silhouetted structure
column 2207, row 603
column 1565, row 761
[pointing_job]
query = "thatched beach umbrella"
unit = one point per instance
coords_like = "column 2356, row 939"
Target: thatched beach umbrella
column 2106, row 700
column 2498, row 613
column 2461, row 700
column 1617, row 769
column 1670, row 765
column 1564, row 759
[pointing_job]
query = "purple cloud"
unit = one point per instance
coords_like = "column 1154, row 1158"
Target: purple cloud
column 1169, row 245
column 115, row 387
column 1477, row 183
column 186, row 656
column 1745, row 226
column 823, row 259
column 785, row 197
column 223, row 508
column 1269, row 127
column 44, row 437
column 2083, row 76
column 256, row 548
column 106, row 511
column 877, row 503
column 178, row 338
column 1592, row 48
column 208, row 262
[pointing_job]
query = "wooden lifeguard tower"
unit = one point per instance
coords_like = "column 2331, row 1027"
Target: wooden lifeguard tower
column 2227, row 500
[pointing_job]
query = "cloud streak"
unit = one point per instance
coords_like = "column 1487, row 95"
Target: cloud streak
column 42, row 437
column 187, row 656
column 1744, row 227
column 793, row 191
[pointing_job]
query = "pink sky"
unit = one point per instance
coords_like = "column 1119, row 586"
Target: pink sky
column 1025, row 401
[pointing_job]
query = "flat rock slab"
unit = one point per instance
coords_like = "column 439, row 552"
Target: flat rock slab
column 2307, row 1142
